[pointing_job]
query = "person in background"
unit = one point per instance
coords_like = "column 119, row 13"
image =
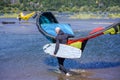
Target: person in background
column 61, row 38
column 19, row 18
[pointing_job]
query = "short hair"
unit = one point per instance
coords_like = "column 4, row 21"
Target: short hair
column 57, row 28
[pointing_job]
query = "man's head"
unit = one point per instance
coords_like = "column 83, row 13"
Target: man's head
column 57, row 30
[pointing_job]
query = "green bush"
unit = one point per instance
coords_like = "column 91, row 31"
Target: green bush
column 114, row 9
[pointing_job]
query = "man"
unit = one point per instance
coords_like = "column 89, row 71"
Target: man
column 19, row 18
column 61, row 38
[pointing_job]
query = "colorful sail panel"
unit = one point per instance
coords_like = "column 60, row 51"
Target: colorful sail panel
column 47, row 23
column 50, row 28
column 27, row 16
column 81, row 42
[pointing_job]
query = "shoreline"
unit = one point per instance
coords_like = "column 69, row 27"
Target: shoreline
column 72, row 15
column 95, row 16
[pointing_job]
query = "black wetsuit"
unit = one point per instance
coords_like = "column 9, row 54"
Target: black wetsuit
column 61, row 38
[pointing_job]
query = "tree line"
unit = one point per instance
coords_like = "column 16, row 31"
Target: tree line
column 60, row 5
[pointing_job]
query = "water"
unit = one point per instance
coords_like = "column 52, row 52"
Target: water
column 22, row 57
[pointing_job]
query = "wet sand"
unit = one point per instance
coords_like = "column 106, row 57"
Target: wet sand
column 94, row 74
column 22, row 57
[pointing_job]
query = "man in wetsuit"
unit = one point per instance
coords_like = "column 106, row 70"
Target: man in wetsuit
column 61, row 38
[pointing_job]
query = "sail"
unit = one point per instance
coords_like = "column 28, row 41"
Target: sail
column 27, row 16
column 80, row 42
column 47, row 23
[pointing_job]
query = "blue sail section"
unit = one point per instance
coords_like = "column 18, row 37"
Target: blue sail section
column 50, row 28
column 47, row 22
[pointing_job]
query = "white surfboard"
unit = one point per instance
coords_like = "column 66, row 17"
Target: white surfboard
column 65, row 51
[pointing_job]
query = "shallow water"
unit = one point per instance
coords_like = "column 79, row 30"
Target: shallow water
column 22, row 57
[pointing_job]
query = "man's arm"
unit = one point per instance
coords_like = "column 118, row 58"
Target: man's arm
column 56, row 46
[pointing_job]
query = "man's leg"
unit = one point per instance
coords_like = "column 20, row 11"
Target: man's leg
column 61, row 65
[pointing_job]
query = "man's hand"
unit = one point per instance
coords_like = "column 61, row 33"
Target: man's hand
column 54, row 53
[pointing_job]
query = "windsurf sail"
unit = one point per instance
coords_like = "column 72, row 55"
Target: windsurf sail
column 46, row 23
column 81, row 41
column 25, row 17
